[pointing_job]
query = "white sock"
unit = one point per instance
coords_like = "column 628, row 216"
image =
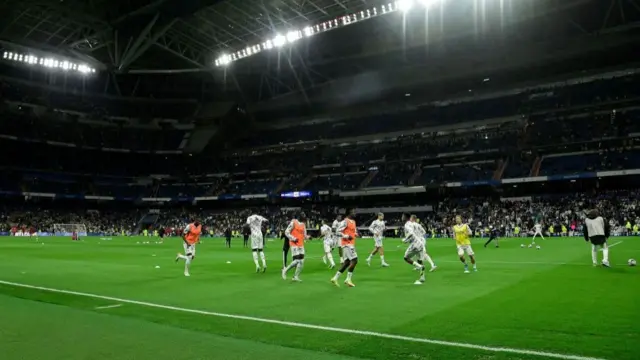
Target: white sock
column 349, row 275
column 605, row 253
column 594, row 254
column 428, row 258
column 183, row 257
column 293, row 264
column 324, row 259
column 299, row 268
column 382, row 259
column 418, row 265
column 187, row 264
column 255, row 259
column 264, row 260
column 337, row 275
column 330, row 257
column 370, row 257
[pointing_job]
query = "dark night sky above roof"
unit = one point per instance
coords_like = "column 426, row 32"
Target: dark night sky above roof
column 190, row 34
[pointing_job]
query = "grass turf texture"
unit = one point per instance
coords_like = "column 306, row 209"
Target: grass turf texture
column 549, row 300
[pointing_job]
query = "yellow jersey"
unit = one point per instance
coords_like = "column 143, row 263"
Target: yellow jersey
column 461, row 234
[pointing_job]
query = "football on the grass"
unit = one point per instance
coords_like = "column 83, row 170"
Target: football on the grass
column 632, row 262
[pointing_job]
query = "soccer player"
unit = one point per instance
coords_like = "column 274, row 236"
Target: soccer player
column 190, row 236
column 597, row 231
column 416, row 246
column 537, row 231
column 423, row 233
column 227, row 237
column 461, row 233
column 257, row 245
column 296, row 232
column 161, row 234
column 495, row 232
column 285, row 249
column 377, row 229
column 245, row 234
column 348, row 233
column 328, row 244
column 337, row 237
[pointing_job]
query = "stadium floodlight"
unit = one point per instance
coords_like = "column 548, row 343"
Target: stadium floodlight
column 404, row 5
column 294, row 35
column 279, row 41
column 51, row 63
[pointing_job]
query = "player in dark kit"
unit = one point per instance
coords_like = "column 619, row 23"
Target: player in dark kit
column 227, row 236
column 245, row 233
column 494, row 234
column 161, row 233
column 285, row 249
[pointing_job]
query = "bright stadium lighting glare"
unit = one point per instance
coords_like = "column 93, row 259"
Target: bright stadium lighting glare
column 5, row 55
column 308, row 31
column 293, row 36
column 279, row 40
column 404, row 5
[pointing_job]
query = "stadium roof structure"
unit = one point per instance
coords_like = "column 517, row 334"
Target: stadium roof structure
column 138, row 39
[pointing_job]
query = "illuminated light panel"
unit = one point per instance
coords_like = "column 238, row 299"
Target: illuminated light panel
column 292, row 36
column 65, row 65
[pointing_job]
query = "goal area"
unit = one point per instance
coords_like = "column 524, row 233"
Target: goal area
column 69, row 229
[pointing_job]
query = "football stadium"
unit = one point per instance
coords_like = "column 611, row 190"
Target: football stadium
column 319, row 179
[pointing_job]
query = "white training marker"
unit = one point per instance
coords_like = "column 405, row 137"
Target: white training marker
column 228, row 262
column 108, row 307
column 153, row 255
column 157, row 266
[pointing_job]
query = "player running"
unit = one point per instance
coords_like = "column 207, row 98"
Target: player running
column 461, row 233
column 420, row 230
column 337, row 238
column 494, row 234
column 416, row 246
column 537, row 231
column 190, row 236
column 257, row 244
column 348, row 233
column 328, row 243
column 296, row 232
column 377, row 229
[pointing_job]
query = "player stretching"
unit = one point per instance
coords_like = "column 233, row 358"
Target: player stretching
column 257, row 245
column 416, row 246
column 377, row 229
column 348, row 232
column 191, row 236
column 461, row 233
column 337, row 238
column 537, row 231
column 296, row 232
column 328, row 244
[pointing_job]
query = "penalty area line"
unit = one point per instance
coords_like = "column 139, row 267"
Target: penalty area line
column 309, row 326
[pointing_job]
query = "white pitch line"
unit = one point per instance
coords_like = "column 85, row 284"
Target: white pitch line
column 108, row 307
column 614, row 244
column 313, row 327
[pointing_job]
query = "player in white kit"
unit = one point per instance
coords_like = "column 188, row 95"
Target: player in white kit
column 328, row 243
column 257, row 243
column 537, row 228
column 337, row 237
column 377, row 229
column 420, row 230
column 416, row 243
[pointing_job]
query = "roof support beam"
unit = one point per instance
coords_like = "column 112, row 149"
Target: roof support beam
column 128, row 54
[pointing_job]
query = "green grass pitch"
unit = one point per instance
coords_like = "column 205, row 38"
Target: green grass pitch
column 521, row 304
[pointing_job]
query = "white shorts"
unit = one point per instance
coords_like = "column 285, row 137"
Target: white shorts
column 462, row 249
column 189, row 249
column 415, row 251
column 295, row 250
column 328, row 246
column 537, row 233
column 349, row 253
column 378, row 242
column 256, row 242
